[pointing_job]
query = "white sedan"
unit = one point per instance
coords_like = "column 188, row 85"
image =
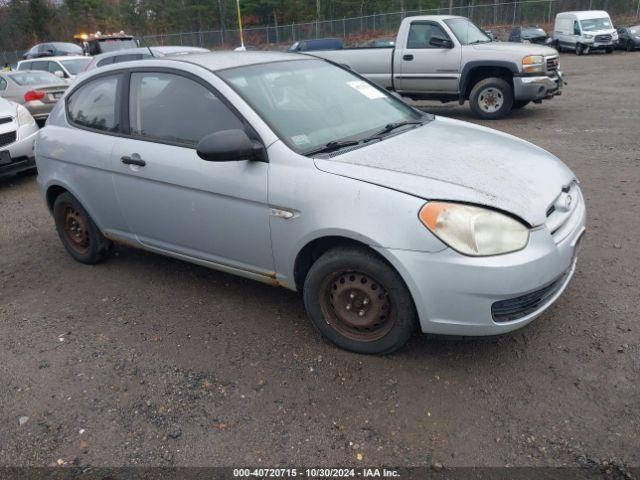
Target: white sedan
column 18, row 131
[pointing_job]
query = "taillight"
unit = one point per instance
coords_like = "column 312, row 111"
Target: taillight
column 33, row 95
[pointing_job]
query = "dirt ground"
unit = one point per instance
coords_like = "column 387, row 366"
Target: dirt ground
column 145, row 360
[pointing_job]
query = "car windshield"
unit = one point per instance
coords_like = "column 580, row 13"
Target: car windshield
column 115, row 44
column 310, row 103
column 33, row 78
column 537, row 32
column 76, row 65
column 466, row 32
column 595, row 24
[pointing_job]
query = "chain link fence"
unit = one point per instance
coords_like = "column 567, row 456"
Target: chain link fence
column 498, row 17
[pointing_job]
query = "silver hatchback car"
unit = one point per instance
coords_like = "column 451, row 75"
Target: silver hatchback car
column 296, row 172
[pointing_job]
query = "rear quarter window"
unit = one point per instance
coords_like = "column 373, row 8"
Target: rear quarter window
column 95, row 104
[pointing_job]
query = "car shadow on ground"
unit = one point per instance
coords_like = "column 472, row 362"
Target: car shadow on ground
column 17, row 180
column 251, row 296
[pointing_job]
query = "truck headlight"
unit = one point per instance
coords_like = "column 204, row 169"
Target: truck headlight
column 472, row 230
column 588, row 36
column 532, row 63
column 24, row 117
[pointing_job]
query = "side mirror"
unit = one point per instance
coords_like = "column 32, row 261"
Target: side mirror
column 439, row 42
column 230, row 146
column 59, row 73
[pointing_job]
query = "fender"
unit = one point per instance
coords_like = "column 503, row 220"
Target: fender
column 470, row 66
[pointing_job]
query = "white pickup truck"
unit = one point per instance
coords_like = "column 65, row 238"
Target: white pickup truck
column 448, row 58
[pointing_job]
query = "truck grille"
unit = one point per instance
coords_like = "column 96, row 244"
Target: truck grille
column 519, row 307
column 603, row 38
column 7, row 138
column 552, row 64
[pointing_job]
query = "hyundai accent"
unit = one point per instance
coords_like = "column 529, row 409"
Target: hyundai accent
column 294, row 171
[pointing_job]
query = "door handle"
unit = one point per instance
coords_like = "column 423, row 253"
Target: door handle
column 408, row 58
column 133, row 160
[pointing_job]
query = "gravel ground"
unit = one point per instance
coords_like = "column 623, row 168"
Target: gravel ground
column 144, row 360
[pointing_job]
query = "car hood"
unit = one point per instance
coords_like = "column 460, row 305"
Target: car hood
column 458, row 161
column 512, row 47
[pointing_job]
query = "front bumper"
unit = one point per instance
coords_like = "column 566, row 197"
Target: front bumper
column 454, row 294
column 21, row 151
column 537, row 88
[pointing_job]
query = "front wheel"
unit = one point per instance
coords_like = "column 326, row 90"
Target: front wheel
column 609, row 50
column 359, row 302
column 580, row 49
column 491, row 98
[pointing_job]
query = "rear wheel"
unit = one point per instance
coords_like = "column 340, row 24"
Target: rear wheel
column 359, row 302
column 491, row 98
column 77, row 231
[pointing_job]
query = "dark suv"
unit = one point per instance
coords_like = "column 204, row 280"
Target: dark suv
column 529, row 35
column 52, row 49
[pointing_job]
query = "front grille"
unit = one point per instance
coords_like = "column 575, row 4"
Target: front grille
column 519, row 307
column 6, row 120
column 552, row 64
column 7, row 138
column 603, row 38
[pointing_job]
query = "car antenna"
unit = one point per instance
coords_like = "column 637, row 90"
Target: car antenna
column 147, row 45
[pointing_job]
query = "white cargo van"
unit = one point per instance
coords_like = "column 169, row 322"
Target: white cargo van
column 584, row 32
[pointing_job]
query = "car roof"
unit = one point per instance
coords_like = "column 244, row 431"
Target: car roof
column 60, row 57
column 162, row 50
column 222, row 60
column 586, row 14
column 436, row 17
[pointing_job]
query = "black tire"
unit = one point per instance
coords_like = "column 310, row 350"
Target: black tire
column 517, row 104
column 579, row 49
column 609, row 50
column 557, row 46
column 346, row 281
column 476, row 98
column 629, row 46
column 78, row 232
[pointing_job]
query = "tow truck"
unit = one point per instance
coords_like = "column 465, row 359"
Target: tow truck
column 97, row 43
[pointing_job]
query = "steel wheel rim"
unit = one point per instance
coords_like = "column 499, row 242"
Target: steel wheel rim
column 357, row 306
column 491, row 99
column 75, row 229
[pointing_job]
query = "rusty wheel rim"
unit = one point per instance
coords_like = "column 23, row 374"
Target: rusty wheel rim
column 75, row 229
column 357, row 306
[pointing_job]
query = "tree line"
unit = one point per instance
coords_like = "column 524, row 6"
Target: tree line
column 26, row 22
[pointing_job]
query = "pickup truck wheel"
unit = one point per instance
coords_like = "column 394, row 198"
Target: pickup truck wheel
column 491, row 98
column 579, row 49
column 77, row 231
column 359, row 302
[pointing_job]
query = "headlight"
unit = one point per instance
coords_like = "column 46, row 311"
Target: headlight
column 532, row 63
column 587, row 36
column 24, row 117
column 473, row 230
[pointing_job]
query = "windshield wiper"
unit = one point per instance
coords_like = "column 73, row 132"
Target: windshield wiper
column 332, row 146
column 391, row 127
column 475, row 42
